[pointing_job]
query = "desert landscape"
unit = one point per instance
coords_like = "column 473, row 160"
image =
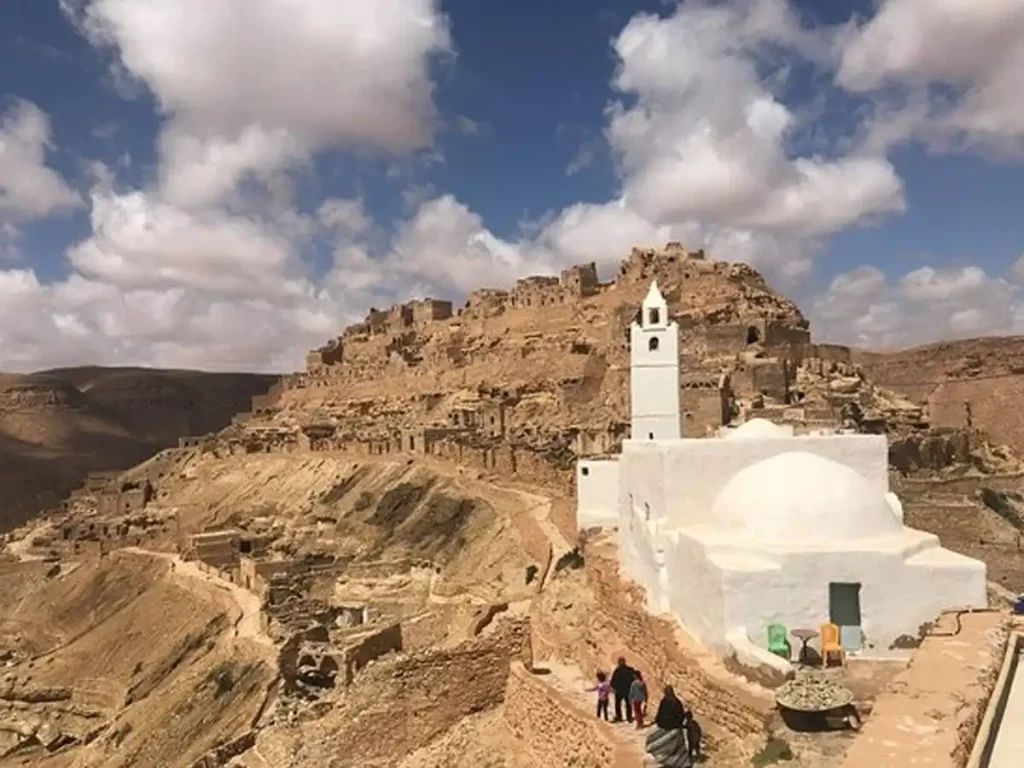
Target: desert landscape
column 377, row 561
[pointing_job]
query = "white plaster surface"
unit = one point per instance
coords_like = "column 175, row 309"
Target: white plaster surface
column 1008, row 751
column 733, row 533
column 655, row 408
column 757, row 429
column 799, row 497
column 597, row 491
column 751, row 655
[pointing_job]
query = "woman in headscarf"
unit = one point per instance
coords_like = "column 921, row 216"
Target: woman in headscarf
column 667, row 743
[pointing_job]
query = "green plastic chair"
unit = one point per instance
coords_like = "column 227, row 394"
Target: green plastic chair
column 778, row 641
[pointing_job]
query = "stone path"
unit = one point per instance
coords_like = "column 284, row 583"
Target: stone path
column 539, row 508
column 249, row 624
column 569, row 681
column 914, row 723
column 1009, row 747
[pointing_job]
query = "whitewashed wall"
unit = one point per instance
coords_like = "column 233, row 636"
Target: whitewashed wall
column 694, row 471
column 896, row 596
column 597, row 493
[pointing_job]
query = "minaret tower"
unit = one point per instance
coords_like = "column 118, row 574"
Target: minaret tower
column 654, row 372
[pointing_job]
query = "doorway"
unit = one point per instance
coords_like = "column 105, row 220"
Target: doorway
column 844, row 612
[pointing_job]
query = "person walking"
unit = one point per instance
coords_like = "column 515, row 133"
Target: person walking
column 604, row 690
column 667, row 743
column 638, row 699
column 622, row 679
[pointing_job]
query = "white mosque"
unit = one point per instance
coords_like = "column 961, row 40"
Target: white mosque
column 760, row 525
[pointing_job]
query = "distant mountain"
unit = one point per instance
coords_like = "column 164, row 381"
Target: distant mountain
column 57, row 425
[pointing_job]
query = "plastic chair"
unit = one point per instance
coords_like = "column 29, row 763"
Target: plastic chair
column 778, row 641
column 830, row 644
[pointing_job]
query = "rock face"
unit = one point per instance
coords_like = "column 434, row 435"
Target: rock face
column 57, row 425
column 525, row 381
column 974, row 383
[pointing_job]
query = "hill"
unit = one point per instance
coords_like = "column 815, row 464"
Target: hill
column 58, row 425
column 395, row 523
column 969, row 383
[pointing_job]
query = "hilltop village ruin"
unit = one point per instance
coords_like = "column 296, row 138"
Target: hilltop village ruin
column 379, row 521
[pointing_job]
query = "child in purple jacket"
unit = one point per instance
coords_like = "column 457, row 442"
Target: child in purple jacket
column 604, row 691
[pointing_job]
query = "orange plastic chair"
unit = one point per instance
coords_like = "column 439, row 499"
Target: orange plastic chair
column 830, row 644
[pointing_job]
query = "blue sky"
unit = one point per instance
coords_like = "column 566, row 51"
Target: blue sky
column 461, row 142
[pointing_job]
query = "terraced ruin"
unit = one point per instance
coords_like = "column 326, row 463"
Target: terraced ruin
column 379, row 562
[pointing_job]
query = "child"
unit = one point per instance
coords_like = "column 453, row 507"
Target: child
column 604, row 689
column 638, row 699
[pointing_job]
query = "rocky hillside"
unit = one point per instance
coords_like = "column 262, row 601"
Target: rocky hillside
column 970, row 383
column 57, row 425
column 531, row 378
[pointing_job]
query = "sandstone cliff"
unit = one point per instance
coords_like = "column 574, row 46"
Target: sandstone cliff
column 57, row 425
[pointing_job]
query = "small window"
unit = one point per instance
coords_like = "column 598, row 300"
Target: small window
column 650, row 435
column 652, row 345
column 585, row 471
column 653, row 316
column 647, row 512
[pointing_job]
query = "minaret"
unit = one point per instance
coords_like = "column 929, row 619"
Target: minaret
column 654, row 372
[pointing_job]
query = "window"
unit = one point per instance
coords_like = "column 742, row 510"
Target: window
column 652, row 345
column 647, row 512
column 585, row 471
column 650, row 435
column 653, row 316
column 753, row 336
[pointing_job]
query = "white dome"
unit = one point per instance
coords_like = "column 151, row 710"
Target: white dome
column 757, row 429
column 801, row 497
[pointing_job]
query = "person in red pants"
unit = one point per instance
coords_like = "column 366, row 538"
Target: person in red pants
column 638, row 698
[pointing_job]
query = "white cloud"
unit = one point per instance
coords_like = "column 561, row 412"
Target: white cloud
column 346, row 217
column 29, row 189
column 865, row 308
column 196, row 272
column 254, row 86
column 707, row 139
column 975, row 49
column 446, row 248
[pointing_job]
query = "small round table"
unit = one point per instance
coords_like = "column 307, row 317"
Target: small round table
column 804, row 636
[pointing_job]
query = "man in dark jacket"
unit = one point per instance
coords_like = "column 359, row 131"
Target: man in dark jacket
column 622, row 679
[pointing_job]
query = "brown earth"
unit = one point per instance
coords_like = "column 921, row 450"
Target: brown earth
column 987, row 374
column 418, row 475
column 55, row 426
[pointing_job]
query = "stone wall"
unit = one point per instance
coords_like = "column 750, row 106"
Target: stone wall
column 554, row 731
column 704, row 410
column 954, row 485
column 402, row 703
column 620, row 623
column 369, row 647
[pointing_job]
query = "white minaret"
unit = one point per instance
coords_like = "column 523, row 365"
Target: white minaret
column 654, row 372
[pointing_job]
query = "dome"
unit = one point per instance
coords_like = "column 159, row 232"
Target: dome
column 801, row 497
column 758, row 429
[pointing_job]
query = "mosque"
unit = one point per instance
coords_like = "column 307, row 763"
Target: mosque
column 760, row 525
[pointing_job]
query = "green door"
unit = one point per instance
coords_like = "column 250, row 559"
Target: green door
column 844, row 612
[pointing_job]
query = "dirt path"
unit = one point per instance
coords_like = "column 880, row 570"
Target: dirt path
column 915, row 721
column 570, row 683
column 249, row 625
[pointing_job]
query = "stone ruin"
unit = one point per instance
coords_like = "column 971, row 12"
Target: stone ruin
column 525, row 381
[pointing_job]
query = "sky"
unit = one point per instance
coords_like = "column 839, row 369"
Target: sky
column 226, row 185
